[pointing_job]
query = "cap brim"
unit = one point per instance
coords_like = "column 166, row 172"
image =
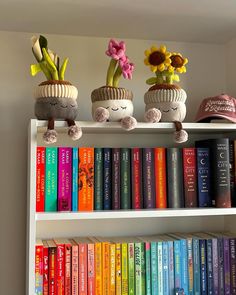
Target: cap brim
column 208, row 118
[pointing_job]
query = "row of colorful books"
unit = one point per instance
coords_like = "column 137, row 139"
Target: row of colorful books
column 190, row 264
column 86, row 178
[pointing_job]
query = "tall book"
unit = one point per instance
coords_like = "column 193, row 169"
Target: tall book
column 125, row 178
column 40, row 179
column 136, row 177
column 160, row 177
column 45, row 269
column 98, row 179
column 190, row 177
column 232, row 257
column 124, row 269
column 51, row 180
column 139, row 254
column 107, row 176
column 116, row 178
column 74, row 267
column 52, row 257
column 75, row 166
column 149, row 194
column 232, row 171
column 204, row 184
column 148, row 267
column 64, row 178
column 39, row 267
column 118, row 268
column 219, row 164
column 112, row 269
column 131, row 273
column 98, row 265
column 175, row 178
column 60, row 258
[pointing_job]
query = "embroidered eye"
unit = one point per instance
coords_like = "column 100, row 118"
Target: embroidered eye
column 123, row 108
column 174, row 109
column 73, row 105
column 165, row 111
column 115, row 109
column 107, row 108
column 53, row 104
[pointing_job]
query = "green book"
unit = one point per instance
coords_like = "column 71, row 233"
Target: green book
column 131, row 268
column 98, row 179
column 139, row 258
column 125, row 179
column 51, row 180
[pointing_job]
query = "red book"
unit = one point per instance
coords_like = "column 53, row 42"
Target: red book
column 45, row 269
column 52, row 255
column 74, row 268
column 39, row 267
column 60, row 266
column 67, row 267
column 190, row 177
column 136, row 172
column 40, row 179
column 160, row 177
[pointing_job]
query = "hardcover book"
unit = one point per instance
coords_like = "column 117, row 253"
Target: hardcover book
column 136, row 177
column 75, row 169
column 160, row 177
column 40, row 179
column 116, row 178
column 149, row 195
column 107, row 179
column 125, row 179
column 98, row 179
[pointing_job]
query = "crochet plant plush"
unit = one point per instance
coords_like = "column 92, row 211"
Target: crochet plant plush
column 55, row 97
column 164, row 100
column 110, row 102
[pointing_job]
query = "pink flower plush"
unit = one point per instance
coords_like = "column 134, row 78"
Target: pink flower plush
column 116, row 50
column 127, row 68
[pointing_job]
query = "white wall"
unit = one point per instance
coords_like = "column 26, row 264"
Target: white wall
column 87, row 70
column 230, row 49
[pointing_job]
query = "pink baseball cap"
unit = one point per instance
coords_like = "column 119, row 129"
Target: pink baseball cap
column 218, row 107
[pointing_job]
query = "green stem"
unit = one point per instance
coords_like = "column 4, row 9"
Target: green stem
column 50, row 64
column 45, row 70
column 110, row 72
column 116, row 77
column 160, row 79
column 63, row 69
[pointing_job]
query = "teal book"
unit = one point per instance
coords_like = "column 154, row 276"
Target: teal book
column 171, row 266
column 75, row 165
column 98, row 179
column 160, row 267
column 154, row 268
column 165, row 253
column 125, row 178
column 51, row 179
column 148, row 268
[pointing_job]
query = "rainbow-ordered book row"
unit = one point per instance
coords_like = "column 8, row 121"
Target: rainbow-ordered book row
column 87, row 178
column 190, row 264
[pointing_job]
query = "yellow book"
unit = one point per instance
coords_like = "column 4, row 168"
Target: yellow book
column 124, row 269
column 112, row 269
column 98, row 266
column 105, row 265
column 118, row 269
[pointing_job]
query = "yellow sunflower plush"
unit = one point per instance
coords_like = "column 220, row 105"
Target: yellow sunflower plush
column 165, row 101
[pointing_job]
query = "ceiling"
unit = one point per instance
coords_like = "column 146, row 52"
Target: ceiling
column 212, row 21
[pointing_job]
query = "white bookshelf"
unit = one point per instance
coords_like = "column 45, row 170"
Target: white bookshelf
column 127, row 222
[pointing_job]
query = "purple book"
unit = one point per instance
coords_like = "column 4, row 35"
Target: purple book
column 226, row 266
column 215, row 266
column 64, row 178
column 149, row 196
column 232, row 250
column 115, row 178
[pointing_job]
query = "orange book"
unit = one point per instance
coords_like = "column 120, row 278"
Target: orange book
column 160, row 176
column 98, row 265
column 105, row 266
column 112, row 269
column 118, row 269
column 74, row 267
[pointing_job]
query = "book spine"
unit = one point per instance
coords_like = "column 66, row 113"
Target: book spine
column 98, row 179
column 175, row 178
column 171, row 266
column 75, row 164
column 90, row 179
column 210, row 283
column 67, row 269
column 106, row 267
column 177, row 263
column 124, row 269
column 118, row 269
column 215, row 266
column 166, row 289
column 232, row 169
column 221, row 265
column 51, row 180
column 45, row 271
column 64, row 178
column 60, row 271
column 107, row 179
column 91, row 269
column 196, row 267
column 137, row 259
column 148, row 268
column 52, row 271
column 136, row 172
column 203, row 266
column 131, row 273
column 98, row 269
column 112, row 269
column 116, row 178
column 160, row 267
column 154, row 268
column 190, row 177
column 143, row 267
column 39, row 269
column 75, row 270
column 125, row 179
column 82, row 179
column 40, row 179
column 148, row 179
column 160, row 177
column 232, row 251
column 226, row 266
column 203, row 168
column 184, row 265
column 83, row 269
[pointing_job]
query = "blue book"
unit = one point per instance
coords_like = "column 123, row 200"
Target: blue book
column 107, row 179
column 203, row 170
column 160, row 267
column 196, row 267
column 171, row 266
column 165, row 254
column 154, row 268
column 203, row 266
column 75, row 165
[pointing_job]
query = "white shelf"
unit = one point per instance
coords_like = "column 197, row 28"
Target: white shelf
column 134, row 214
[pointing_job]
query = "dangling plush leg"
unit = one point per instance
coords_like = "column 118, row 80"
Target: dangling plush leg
column 152, row 115
column 74, row 131
column 180, row 135
column 128, row 123
column 50, row 136
column 101, row 115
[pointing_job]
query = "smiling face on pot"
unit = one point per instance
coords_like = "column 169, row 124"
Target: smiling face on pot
column 118, row 108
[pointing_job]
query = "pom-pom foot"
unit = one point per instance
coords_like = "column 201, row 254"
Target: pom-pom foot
column 128, row 123
column 152, row 115
column 180, row 136
column 101, row 115
column 75, row 132
column 50, row 136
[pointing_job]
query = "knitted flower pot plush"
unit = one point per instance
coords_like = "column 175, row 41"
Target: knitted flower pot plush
column 110, row 102
column 165, row 101
column 55, row 98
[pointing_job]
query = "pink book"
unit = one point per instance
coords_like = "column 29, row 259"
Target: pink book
column 83, row 266
column 64, row 178
column 91, row 270
column 74, row 268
